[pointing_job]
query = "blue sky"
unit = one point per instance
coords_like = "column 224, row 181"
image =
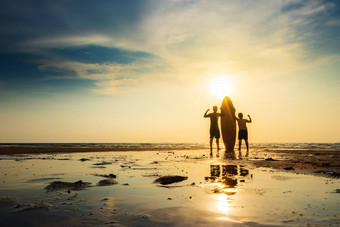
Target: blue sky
column 163, row 53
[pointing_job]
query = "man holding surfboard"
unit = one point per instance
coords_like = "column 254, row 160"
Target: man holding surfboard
column 214, row 129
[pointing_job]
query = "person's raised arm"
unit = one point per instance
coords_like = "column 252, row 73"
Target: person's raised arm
column 249, row 119
column 206, row 113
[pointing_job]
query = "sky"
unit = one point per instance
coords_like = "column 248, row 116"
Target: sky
column 146, row 71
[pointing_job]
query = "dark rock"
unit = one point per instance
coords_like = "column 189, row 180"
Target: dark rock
column 106, row 175
column 289, row 168
column 60, row 185
column 270, row 159
column 107, row 182
column 84, row 159
column 170, row 179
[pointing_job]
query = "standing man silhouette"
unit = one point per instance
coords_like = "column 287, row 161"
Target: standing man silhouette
column 242, row 132
column 214, row 129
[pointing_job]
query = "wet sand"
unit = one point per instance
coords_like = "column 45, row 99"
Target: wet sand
column 169, row 188
column 317, row 162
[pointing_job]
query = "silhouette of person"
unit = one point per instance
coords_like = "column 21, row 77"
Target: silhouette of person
column 214, row 129
column 242, row 132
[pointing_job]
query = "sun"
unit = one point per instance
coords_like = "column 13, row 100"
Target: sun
column 221, row 87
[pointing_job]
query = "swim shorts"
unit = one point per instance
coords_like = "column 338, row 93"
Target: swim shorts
column 215, row 132
column 243, row 134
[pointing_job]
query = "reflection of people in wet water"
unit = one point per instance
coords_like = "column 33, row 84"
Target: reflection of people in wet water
column 243, row 131
column 228, row 175
column 214, row 130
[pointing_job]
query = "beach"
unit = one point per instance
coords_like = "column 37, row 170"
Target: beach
column 158, row 185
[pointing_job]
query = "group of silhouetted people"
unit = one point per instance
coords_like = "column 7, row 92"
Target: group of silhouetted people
column 215, row 131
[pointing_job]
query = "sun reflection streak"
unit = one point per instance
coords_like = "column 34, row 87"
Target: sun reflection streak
column 223, row 182
column 224, row 204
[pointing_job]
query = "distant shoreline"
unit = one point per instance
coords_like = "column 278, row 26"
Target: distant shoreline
column 63, row 148
column 46, row 150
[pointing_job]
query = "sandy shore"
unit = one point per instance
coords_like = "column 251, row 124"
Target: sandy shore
column 169, row 188
column 320, row 162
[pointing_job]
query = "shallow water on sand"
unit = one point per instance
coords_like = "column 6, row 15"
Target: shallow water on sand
column 217, row 192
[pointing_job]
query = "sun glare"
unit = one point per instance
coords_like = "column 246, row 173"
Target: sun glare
column 220, row 87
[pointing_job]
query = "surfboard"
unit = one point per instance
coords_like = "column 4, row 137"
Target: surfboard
column 228, row 124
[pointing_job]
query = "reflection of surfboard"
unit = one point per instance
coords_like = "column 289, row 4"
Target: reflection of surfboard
column 228, row 124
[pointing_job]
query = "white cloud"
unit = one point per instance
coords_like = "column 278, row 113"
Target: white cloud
column 206, row 36
column 203, row 38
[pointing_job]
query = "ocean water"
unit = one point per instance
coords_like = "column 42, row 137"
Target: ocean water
column 133, row 146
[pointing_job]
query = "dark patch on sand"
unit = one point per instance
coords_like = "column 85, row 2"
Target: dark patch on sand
column 144, row 168
column 34, row 206
column 102, row 163
column 106, row 175
column 170, row 179
column 151, row 175
column 270, row 159
column 60, row 185
column 107, row 182
column 170, row 186
column 8, row 201
column 42, row 179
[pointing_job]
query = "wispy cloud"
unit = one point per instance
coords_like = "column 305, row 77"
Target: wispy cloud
column 255, row 36
column 109, row 77
column 192, row 38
